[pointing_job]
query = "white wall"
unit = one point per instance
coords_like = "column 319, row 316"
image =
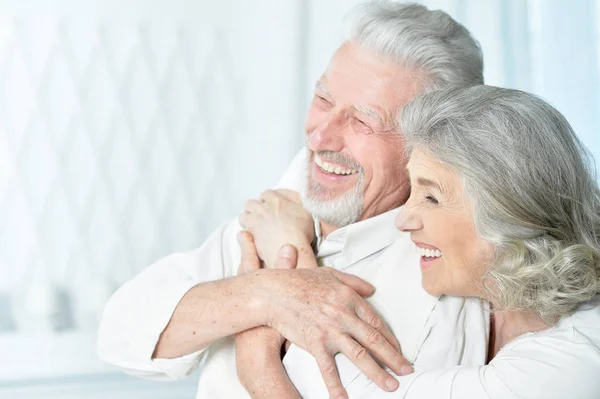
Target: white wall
column 129, row 129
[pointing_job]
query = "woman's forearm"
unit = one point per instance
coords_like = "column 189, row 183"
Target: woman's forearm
column 272, row 382
column 259, row 366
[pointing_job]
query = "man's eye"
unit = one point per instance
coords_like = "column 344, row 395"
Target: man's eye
column 362, row 126
column 322, row 102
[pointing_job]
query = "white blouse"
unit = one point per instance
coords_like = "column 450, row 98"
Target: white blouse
column 562, row 362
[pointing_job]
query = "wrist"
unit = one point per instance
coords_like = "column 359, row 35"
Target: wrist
column 257, row 296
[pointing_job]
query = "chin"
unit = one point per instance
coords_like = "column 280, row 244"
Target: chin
column 431, row 289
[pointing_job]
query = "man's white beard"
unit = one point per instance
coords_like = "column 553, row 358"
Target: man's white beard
column 339, row 211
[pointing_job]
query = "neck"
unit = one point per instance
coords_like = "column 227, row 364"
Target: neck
column 505, row 326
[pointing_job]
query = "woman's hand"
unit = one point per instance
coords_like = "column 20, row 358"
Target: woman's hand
column 258, row 351
column 278, row 218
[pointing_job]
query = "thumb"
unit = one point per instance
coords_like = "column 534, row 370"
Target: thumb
column 287, row 257
column 249, row 261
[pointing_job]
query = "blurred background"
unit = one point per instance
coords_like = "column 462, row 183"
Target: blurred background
column 130, row 129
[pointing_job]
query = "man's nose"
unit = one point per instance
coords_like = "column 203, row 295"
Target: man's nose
column 330, row 134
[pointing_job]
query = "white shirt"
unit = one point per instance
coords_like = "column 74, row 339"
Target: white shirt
column 433, row 332
column 559, row 363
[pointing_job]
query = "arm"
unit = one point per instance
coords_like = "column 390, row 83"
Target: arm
column 535, row 367
column 321, row 310
column 133, row 333
column 258, row 351
column 271, row 380
column 137, row 314
column 277, row 219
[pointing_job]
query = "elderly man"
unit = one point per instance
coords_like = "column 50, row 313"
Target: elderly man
column 162, row 323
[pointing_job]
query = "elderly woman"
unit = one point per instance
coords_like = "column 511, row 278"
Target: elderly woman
column 504, row 206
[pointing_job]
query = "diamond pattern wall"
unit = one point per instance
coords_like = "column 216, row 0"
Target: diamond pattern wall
column 121, row 142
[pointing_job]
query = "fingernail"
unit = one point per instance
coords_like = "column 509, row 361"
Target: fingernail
column 287, row 251
column 407, row 369
column 392, row 384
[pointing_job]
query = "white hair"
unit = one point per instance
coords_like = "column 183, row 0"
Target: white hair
column 415, row 37
column 532, row 187
column 337, row 211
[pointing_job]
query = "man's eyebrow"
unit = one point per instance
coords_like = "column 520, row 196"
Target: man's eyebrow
column 319, row 86
column 370, row 112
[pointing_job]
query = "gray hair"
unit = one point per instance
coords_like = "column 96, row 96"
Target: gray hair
column 413, row 36
column 533, row 190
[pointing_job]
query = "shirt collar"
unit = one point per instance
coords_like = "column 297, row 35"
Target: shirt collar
column 363, row 238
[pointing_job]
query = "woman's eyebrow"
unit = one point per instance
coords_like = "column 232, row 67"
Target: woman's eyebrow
column 429, row 183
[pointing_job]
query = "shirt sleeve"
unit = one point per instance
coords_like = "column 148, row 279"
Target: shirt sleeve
column 138, row 312
column 556, row 366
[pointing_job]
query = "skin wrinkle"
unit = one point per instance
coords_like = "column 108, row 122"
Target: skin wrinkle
column 460, row 270
column 357, row 84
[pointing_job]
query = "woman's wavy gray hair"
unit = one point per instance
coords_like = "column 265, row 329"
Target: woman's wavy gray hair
column 532, row 186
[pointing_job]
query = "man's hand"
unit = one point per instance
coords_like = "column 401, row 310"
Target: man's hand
column 323, row 311
column 258, row 350
column 278, row 218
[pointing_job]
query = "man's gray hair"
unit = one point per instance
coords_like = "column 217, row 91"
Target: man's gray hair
column 415, row 37
column 532, row 186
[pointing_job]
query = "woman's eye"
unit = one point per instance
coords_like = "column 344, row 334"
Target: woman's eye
column 432, row 199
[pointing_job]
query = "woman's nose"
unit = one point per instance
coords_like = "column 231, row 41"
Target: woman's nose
column 408, row 219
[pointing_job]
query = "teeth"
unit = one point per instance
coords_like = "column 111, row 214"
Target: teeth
column 333, row 168
column 430, row 253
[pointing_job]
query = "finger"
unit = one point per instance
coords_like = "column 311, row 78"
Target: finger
column 380, row 345
column 361, row 357
column 267, row 195
column 368, row 315
column 250, row 261
column 309, row 261
column 290, row 195
column 252, row 206
column 331, row 377
column 288, row 257
column 245, row 220
column 359, row 285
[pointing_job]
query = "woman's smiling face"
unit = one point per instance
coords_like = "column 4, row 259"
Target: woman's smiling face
column 439, row 218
